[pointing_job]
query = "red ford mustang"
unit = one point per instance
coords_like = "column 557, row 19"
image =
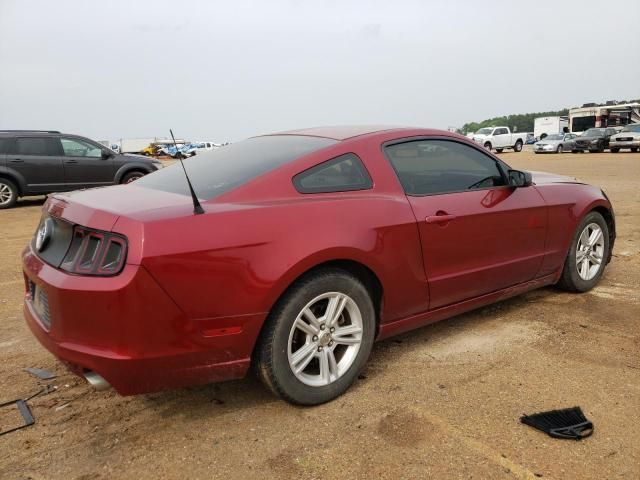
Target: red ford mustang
column 312, row 244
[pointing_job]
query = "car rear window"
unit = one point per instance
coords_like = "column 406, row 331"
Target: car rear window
column 215, row 172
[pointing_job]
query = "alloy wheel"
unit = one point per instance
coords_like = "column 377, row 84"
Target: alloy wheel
column 590, row 251
column 6, row 195
column 325, row 339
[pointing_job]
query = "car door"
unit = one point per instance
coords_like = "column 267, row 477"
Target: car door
column 501, row 137
column 84, row 163
column 38, row 160
column 478, row 234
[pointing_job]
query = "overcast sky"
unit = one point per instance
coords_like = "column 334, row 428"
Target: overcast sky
column 225, row 70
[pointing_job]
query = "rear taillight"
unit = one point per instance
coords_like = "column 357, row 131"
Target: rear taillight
column 95, row 253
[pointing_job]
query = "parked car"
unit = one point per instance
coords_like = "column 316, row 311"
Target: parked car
column 500, row 138
column 629, row 138
column 556, row 143
column 594, row 140
column 310, row 245
column 41, row 162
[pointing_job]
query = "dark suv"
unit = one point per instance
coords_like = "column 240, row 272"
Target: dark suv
column 41, row 162
column 594, row 140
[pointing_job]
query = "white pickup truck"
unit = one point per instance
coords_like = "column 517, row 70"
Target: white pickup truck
column 499, row 138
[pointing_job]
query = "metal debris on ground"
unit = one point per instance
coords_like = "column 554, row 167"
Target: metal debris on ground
column 41, row 373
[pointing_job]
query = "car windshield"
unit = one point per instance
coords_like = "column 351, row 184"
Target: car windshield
column 485, row 131
column 556, row 136
column 632, row 128
column 214, row 172
column 593, row 132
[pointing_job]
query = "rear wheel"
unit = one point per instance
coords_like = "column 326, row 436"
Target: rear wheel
column 499, row 150
column 317, row 338
column 587, row 256
column 8, row 193
column 634, row 149
column 615, row 150
column 518, row 146
column 559, row 149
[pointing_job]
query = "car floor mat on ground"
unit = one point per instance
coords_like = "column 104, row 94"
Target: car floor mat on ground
column 568, row 423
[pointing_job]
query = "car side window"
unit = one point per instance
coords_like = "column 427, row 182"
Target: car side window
column 74, row 147
column 341, row 174
column 42, row 146
column 5, row 145
column 430, row 167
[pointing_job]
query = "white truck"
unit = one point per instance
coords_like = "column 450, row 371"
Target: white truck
column 500, row 138
column 543, row 126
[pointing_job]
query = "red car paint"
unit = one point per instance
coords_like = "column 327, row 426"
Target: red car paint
column 190, row 302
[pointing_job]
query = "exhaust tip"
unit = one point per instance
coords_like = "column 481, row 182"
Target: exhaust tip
column 96, row 381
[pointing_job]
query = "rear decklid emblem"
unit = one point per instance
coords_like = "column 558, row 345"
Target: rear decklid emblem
column 44, row 233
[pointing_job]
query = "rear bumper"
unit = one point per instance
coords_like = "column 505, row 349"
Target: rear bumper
column 130, row 332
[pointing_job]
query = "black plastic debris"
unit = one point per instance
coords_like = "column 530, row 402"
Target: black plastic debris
column 24, row 410
column 41, row 373
column 568, row 423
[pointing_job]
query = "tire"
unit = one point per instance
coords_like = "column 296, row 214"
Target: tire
column 487, row 146
column 634, row 149
column 499, row 150
column 8, row 193
column 132, row 177
column 574, row 151
column 559, row 149
column 615, row 150
column 572, row 280
column 276, row 350
column 518, row 146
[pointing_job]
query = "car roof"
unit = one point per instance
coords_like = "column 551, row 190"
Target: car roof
column 346, row 132
column 340, row 132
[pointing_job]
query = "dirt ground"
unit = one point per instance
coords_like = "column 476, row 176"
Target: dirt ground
column 440, row 402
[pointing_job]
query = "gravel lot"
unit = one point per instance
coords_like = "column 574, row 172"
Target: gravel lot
column 440, row 402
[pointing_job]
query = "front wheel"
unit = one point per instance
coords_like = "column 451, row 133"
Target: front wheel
column 634, row 149
column 317, row 338
column 559, row 149
column 499, row 150
column 132, row 177
column 588, row 255
column 615, row 150
column 518, row 146
column 487, row 146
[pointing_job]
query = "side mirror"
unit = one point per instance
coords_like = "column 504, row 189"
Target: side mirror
column 518, row 178
column 106, row 154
